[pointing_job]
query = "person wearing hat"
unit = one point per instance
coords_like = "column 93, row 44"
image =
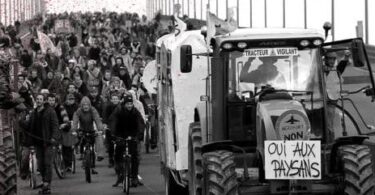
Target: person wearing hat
column 126, row 121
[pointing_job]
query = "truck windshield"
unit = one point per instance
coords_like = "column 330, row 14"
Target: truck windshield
column 281, row 68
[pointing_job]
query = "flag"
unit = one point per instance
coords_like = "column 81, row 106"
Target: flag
column 217, row 26
column 46, row 43
column 180, row 25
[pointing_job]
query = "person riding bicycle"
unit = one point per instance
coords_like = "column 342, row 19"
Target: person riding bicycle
column 108, row 110
column 85, row 117
column 126, row 121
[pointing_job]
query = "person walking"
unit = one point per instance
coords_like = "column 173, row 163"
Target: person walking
column 43, row 126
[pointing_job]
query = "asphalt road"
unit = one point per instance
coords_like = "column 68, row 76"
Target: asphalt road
column 102, row 183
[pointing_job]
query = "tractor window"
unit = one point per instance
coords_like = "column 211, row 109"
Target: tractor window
column 348, row 98
column 247, row 74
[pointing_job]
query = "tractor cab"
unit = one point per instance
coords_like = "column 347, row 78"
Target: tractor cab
column 263, row 75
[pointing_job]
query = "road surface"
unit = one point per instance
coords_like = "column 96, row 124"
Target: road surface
column 102, row 183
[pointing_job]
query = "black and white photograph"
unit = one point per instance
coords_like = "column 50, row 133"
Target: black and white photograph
column 187, row 97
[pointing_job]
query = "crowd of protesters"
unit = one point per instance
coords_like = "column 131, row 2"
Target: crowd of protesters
column 92, row 80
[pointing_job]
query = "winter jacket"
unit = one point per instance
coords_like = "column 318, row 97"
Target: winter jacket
column 49, row 126
column 126, row 123
column 86, row 120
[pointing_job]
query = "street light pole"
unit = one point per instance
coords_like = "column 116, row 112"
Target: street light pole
column 333, row 19
column 226, row 8
column 265, row 13
column 251, row 13
column 284, row 14
column 366, row 21
column 305, row 13
column 195, row 9
column 238, row 13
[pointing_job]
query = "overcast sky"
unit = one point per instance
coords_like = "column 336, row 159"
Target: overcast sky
column 58, row 6
column 347, row 12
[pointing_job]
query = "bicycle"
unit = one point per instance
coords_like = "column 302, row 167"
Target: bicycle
column 58, row 161
column 88, row 153
column 126, row 161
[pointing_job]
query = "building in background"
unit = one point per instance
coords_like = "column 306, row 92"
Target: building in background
column 21, row 10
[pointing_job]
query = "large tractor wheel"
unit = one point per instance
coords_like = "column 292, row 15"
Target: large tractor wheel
column 195, row 159
column 219, row 173
column 8, row 177
column 356, row 165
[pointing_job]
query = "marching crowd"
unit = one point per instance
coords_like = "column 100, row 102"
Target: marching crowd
column 91, row 81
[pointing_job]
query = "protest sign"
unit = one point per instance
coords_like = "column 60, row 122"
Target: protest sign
column 297, row 160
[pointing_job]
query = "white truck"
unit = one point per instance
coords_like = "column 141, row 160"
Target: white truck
column 177, row 95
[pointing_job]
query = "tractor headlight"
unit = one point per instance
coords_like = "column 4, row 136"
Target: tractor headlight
column 227, row 45
column 317, row 42
column 242, row 45
column 304, row 43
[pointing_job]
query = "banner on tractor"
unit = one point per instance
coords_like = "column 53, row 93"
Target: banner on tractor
column 267, row 52
column 292, row 160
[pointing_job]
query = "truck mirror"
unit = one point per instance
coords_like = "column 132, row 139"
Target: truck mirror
column 358, row 54
column 186, row 58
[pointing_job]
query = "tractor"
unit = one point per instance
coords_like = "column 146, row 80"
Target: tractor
column 269, row 124
column 8, row 177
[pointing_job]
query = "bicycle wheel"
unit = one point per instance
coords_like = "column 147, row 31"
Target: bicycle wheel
column 59, row 165
column 87, row 165
column 33, row 171
column 126, row 181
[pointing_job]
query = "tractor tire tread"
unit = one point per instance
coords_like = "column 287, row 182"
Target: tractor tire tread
column 8, row 177
column 357, row 167
column 220, row 171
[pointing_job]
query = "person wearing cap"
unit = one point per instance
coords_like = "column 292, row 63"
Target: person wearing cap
column 126, row 121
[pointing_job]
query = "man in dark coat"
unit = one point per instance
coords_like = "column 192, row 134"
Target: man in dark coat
column 126, row 121
column 43, row 126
